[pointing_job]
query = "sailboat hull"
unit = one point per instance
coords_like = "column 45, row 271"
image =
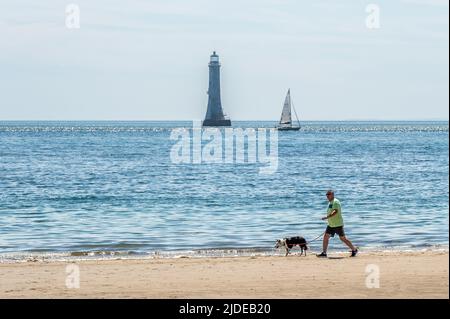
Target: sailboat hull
column 292, row 128
column 208, row 122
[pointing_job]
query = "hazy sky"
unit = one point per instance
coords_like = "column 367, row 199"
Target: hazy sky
column 148, row 60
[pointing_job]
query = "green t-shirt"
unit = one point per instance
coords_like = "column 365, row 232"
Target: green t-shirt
column 336, row 220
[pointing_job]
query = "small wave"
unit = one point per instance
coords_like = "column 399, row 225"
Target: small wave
column 103, row 253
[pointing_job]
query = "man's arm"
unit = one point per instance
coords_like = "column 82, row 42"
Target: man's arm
column 334, row 212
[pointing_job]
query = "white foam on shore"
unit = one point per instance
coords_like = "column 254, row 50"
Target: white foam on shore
column 27, row 257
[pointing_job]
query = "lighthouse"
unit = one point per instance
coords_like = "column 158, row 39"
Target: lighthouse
column 214, row 114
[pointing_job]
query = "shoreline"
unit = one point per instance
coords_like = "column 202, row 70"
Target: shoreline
column 403, row 275
column 64, row 256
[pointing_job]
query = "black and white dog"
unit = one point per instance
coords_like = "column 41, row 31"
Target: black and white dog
column 288, row 243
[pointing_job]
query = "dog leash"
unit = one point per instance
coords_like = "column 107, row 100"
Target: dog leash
column 315, row 238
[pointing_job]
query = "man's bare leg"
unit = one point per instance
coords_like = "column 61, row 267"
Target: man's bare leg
column 326, row 239
column 347, row 242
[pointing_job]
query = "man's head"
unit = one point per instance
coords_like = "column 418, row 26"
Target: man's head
column 330, row 194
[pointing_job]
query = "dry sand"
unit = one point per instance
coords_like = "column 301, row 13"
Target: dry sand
column 402, row 275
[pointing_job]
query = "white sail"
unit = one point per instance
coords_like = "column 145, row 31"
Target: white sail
column 286, row 117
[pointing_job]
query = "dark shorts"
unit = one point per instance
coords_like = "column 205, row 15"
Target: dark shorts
column 335, row 230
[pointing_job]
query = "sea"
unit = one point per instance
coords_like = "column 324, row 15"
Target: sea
column 112, row 189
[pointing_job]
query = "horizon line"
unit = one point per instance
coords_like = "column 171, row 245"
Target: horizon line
column 239, row 120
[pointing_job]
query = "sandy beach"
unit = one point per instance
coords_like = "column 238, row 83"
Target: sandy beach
column 401, row 275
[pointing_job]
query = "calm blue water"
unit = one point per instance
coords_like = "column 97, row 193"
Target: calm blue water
column 111, row 186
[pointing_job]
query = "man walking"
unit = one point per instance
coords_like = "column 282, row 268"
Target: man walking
column 335, row 225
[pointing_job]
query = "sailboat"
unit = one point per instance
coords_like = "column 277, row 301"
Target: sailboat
column 285, row 123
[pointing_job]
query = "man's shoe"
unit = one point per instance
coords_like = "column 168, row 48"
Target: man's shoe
column 354, row 252
column 322, row 255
